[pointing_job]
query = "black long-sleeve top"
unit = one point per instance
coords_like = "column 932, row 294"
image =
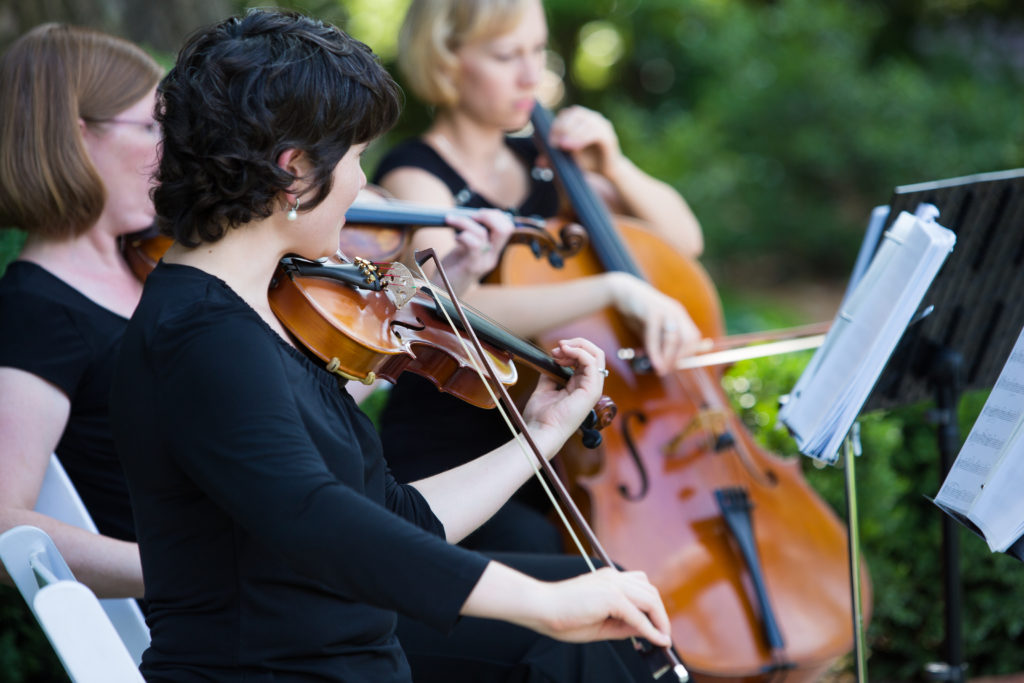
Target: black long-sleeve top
column 274, row 540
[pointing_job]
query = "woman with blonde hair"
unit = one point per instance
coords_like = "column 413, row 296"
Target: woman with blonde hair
column 480, row 64
column 78, row 143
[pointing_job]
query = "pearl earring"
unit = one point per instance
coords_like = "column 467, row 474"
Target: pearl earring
column 293, row 213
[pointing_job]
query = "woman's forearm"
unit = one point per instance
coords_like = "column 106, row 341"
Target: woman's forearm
column 529, row 310
column 659, row 205
column 465, row 497
column 111, row 568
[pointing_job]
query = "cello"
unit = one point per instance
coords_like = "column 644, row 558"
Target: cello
column 751, row 563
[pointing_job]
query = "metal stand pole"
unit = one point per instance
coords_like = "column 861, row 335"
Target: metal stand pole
column 851, row 450
column 945, row 376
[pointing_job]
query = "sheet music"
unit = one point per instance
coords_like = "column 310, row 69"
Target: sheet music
column 825, row 401
column 983, row 484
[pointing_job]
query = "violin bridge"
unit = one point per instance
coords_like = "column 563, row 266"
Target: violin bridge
column 399, row 283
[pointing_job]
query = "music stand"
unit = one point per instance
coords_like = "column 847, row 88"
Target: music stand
column 962, row 344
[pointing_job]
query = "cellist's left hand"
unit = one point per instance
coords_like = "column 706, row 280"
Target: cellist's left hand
column 590, row 137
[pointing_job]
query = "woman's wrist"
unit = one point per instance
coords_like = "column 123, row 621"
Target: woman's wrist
column 622, row 287
column 618, row 171
column 506, row 594
column 549, row 438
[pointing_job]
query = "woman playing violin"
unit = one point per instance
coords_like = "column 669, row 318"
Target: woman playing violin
column 274, row 541
column 77, row 149
column 480, row 63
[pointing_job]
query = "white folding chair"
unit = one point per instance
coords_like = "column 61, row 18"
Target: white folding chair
column 68, row 612
column 59, row 499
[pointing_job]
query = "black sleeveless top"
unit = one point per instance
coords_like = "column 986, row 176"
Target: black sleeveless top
column 541, row 200
column 425, row 431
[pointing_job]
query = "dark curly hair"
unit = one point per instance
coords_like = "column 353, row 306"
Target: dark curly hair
column 242, row 92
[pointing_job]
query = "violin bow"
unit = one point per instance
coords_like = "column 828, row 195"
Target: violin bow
column 661, row 660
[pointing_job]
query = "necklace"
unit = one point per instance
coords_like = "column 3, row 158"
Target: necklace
column 498, row 166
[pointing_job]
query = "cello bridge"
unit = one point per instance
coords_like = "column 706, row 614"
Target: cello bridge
column 706, row 428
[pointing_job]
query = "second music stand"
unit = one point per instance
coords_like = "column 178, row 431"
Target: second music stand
column 964, row 342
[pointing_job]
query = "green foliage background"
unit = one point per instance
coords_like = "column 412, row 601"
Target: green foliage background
column 783, row 122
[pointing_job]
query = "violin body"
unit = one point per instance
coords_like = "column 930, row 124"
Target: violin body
column 142, row 252
column 362, row 334
column 659, row 513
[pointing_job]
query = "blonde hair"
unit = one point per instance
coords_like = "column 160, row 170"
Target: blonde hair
column 432, row 32
column 50, row 78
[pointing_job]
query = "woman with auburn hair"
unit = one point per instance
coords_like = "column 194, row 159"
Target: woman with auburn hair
column 480, row 63
column 77, row 147
column 275, row 544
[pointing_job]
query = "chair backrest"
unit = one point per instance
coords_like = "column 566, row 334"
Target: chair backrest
column 68, row 612
column 59, row 499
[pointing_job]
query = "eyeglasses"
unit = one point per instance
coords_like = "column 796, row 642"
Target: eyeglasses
column 151, row 127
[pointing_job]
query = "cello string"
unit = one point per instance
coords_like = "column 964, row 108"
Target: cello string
column 475, row 362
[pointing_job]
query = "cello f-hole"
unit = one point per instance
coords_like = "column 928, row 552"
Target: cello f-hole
column 631, row 445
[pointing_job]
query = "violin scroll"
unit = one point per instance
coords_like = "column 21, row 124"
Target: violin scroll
column 599, row 417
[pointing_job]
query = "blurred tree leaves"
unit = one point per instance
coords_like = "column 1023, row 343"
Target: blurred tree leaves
column 784, row 122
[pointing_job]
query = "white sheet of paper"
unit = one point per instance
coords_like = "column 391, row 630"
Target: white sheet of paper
column 830, row 393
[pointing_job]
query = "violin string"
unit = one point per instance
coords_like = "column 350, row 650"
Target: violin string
column 518, row 437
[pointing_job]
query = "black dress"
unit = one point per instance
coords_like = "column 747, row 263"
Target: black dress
column 418, row 442
column 55, row 332
column 275, row 544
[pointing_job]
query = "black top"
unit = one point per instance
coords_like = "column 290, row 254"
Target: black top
column 541, row 200
column 274, row 540
column 52, row 330
column 419, row 442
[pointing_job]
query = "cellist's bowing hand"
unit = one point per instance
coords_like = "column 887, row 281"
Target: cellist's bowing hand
column 479, row 242
column 668, row 331
column 602, row 605
column 554, row 413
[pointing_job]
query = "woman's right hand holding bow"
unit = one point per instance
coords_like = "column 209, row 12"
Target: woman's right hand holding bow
column 602, row 605
column 669, row 333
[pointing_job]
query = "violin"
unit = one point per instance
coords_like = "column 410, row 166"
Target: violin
column 750, row 562
column 380, row 231
column 382, row 321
